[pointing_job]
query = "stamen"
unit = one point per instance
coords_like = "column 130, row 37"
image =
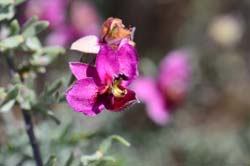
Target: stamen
column 116, row 90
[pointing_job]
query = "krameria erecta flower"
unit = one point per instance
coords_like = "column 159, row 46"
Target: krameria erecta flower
column 112, row 34
column 162, row 94
column 104, row 86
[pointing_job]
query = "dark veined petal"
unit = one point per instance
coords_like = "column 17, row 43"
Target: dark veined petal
column 82, row 97
column 117, row 104
column 107, row 64
column 128, row 62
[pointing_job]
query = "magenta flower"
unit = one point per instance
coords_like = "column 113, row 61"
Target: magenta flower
column 162, row 94
column 104, row 86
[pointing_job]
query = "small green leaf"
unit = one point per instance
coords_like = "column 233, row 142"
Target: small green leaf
column 11, row 42
column 12, row 94
column 14, row 27
column 9, row 100
column 40, row 60
column 96, row 158
column 6, row 2
column 2, row 94
column 31, row 21
column 35, row 28
column 7, row 106
column 65, row 131
column 53, row 117
column 120, row 139
column 41, row 109
column 6, row 12
column 61, row 98
column 109, row 158
column 86, row 159
column 106, row 144
column 70, row 160
column 99, row 155
column 51, row 161
column 26, row 97
column 46, row 55
column 53, row 50
column 18, row 2
column 16, row 79
column 33, row 43
column 76, row 137
column 54, row 87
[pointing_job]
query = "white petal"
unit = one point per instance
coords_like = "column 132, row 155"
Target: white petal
column 87, row 44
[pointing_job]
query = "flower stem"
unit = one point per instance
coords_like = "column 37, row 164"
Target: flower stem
column 33, row 141
column 27, row 118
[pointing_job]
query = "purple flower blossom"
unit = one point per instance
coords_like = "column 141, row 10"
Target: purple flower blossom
column 104, row 86
column 165, row 92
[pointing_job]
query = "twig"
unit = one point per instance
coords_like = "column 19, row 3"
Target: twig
column 32, row 137
column 27, row 119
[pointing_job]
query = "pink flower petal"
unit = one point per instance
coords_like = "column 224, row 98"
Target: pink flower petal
column 147, row 91
column 90, row 24
column 61, row 36
column 82, row 70
column 174, row 75
column 82, row 97
column 87, row 44
column 128, row 62
column 53, row 11
column 107, row 64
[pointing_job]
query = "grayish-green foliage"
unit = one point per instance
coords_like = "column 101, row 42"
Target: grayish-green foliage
column 26, row 58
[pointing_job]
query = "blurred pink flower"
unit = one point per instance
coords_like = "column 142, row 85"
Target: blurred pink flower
column 104, row 86
column 62, row 36
column 165, row 92
column 52, row 11
column 85, row 18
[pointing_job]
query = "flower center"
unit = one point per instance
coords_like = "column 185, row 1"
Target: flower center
column 117, row 90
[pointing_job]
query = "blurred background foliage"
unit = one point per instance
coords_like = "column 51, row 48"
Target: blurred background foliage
column 211, row 128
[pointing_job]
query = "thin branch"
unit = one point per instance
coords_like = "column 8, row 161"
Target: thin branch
column 33, row 141
column 27, row 119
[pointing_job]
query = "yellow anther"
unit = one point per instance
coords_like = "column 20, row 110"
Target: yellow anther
column 116, row 90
